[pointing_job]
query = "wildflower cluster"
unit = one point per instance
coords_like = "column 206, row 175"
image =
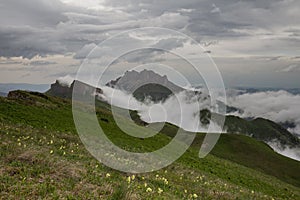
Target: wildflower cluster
column 157, row 177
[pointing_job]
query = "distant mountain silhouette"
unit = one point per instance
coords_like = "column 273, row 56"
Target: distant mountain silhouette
column 148, row 84
column 145, row 84
column 65, row 91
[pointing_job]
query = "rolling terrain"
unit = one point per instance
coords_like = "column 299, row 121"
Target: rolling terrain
column 43, row 157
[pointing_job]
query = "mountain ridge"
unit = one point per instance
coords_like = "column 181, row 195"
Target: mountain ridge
column 65, row 91
column 260, row 129
column 54, row 113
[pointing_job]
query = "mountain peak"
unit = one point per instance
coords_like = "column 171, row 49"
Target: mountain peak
column 65, row 91
column 132, row 80
column 145, row 84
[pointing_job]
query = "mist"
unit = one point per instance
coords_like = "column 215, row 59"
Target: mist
column 182, row 109
column 279, row 106
column 293, row 153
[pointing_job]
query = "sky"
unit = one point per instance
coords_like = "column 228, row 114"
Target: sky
column 254, row 43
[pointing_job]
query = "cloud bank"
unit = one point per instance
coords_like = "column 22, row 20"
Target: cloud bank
column 293, row 153
column 181, row 109
column 245, row 30
column 279, row 106
column 40, row 27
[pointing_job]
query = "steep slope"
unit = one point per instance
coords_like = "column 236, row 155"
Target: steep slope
column 54, row 115
column 261, row 129
column 64, row 91
column 37, row 163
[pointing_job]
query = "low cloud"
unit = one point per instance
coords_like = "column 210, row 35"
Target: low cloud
column 293, row 153
column 182, row 109
column 66, row 80
column 279, row 106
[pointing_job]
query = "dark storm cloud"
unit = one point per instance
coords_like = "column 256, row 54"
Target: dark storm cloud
column 43, row 27
column 27, row 28
column 31, row 12
column 28, row 42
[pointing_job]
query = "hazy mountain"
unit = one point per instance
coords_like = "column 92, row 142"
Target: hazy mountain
column 148, row 84
column 262, row 129
column 64, row 91
column 242, row 90
column 145, row 84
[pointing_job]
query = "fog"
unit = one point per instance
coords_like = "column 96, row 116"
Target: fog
column 279, row 106
column 293, row 153
column 181, row 109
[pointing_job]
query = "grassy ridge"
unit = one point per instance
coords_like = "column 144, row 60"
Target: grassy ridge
column 42, row 156
column 261, row 129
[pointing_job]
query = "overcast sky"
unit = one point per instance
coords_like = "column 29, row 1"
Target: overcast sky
column 253, row 42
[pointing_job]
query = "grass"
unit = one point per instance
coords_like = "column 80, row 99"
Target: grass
column 42, row 157
column 261, row 129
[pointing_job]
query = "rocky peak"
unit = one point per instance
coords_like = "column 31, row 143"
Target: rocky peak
column 65, row 91
column 132, row 80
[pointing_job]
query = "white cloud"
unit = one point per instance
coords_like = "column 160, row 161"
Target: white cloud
column 90, row 4
column 183, row 109
column 293, row 153
column 279, row 106
column 243, row 28
column 186, row 10
column 66, row 80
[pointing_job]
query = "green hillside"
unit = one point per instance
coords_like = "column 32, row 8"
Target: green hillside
column 261, row 129
column 42, row 157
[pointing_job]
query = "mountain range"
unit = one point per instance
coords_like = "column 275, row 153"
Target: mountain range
column 156, row 88
column 43, row 157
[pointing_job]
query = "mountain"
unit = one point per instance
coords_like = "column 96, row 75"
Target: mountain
column 295, row 91
column 149, row 85
column 145, row 84
column 64, row 91
column 42, row 157
column 260, row 129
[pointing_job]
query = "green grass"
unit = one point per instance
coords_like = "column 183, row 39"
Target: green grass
column 43, row 157
column 261, row 129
